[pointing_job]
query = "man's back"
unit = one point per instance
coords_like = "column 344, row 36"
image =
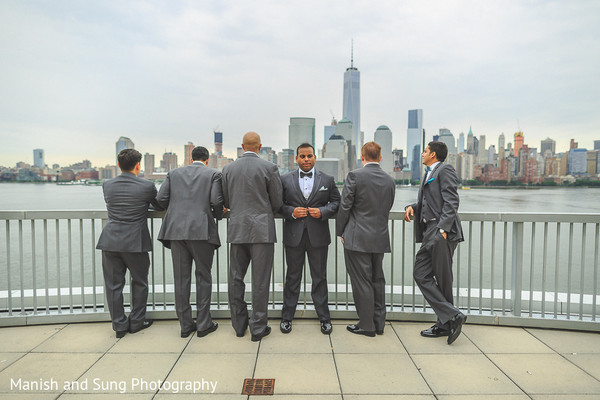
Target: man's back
column 252, row 191
column 364, row 211
column 127, row 200
column 193, row 197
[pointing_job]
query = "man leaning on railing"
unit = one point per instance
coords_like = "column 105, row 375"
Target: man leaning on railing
column 125, row 242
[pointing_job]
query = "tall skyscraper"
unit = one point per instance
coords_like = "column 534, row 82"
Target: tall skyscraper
column 301, row 130
column 447, row 137
column 169, row 161
column 38, row 158
column 501, row 142
column 596, row 144
column 482, row 151
column 122, row 144
column 414, row 137
column 351, row 106
column 383, row 137
column 519, row 139
column 461, row 143
column 187, row 153
column 329, row 130
column 547, row 145
column 218, row 143
column 148, row 165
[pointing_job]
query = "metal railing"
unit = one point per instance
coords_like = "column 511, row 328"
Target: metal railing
column 512, row 269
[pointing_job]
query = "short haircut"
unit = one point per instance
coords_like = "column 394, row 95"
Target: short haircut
column 371, row 151
column 440, row 149
column 199, row 154
column 128, row 158
column 304, row 146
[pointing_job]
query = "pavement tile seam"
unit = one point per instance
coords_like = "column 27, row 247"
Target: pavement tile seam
column 48, row 338
column 189, row 340
column 412, row 360
column 337, row 372
column 500, row 369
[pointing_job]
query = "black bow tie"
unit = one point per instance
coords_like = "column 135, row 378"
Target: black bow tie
column 303, row 174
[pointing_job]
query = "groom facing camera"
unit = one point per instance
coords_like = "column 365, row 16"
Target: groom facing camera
column 125, row 242
column 438, row 229
column 310, row 199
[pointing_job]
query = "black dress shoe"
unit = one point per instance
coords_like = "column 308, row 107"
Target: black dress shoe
column 379, row 331
column 145, row 324
column 456, row 324
column 188, row 333
column 435, row 331
column 326, row 327
column 359, row 331
column 120, row 334
column 208, row 330
column 285, row 326
column 256, row 338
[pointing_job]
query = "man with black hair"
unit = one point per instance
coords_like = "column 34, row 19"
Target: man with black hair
column 193, row 197
column 310, row 198
column 438, row 229
column 125, row 242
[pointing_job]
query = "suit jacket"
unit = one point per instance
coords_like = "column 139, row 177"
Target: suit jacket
column 193, row 197
column 362, row 218
column 325, row 196
column 252, row 191
column 438, row 201
column 127, row 201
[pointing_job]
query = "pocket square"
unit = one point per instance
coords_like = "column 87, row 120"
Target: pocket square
column 431, row 180
column 323, row 188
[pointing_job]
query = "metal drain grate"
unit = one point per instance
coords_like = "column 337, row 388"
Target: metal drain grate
column 258, row 387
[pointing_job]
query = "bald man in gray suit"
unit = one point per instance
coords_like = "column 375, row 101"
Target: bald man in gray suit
column 438, row 229
column 252, row 191
column 125, row 242
column 362, row 223
column 193, row 197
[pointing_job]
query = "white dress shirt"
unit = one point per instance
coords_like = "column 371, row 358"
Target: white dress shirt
column 306, row 183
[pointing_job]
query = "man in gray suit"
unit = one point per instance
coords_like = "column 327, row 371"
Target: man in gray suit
column 439, row 230
column 362, row 222
column 310, row 198
column 252, row 192
column 193, row 197
column 125, row 242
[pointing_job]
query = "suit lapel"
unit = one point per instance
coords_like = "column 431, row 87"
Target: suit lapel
column 296, row 178
column 315, row 188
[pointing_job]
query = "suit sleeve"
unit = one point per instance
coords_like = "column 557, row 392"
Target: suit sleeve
column 346, row 202
column 225, row 189
column 448, row 184
column 216, row 195
column 164, row 193
column 275, row 189
column 286, row 210
column 329, row 210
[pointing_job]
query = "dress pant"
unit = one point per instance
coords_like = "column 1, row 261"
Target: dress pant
column 317, row 259
column 261, row 255
column 183, row 253
column 433, row 272
column 114, row 267
column 368, row 288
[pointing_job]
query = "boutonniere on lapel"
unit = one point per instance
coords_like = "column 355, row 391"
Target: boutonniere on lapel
column 429, row 181
column 323, row 189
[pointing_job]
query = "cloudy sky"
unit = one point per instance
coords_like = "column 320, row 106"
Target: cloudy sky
column 77, row 75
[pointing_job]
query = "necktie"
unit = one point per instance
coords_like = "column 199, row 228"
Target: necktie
column 427, row 169
column 303, row 174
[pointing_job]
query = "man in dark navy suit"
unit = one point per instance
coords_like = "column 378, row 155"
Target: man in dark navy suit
column 310, row 198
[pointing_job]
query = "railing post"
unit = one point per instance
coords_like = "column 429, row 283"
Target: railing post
column 517, row 268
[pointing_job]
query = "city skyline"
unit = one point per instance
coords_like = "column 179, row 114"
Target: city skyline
column 166, row 74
